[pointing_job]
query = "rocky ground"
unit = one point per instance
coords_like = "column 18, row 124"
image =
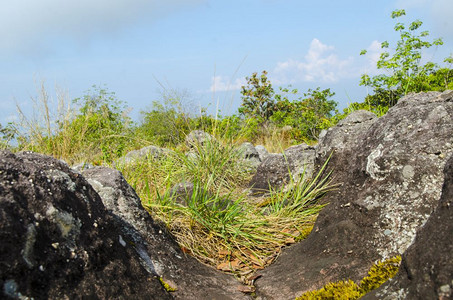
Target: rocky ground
column 71, row 234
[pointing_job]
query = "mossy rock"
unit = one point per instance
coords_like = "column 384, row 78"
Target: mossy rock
column 378, row 274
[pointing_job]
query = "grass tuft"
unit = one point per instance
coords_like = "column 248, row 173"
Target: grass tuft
column 218, row 223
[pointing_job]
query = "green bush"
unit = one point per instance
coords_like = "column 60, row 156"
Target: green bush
column 258, row 98
column 101, row 126
column 407, row 73
column 7, row 134
column 307, row 115
column 97, row 130
column 164, row 127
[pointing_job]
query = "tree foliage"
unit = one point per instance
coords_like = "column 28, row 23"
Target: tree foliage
column 258, row 97
column 167, row 122
column 307, row 115
column 100, row 124
column 404, row 68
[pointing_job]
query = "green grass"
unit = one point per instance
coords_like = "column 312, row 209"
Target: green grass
column 220, row 224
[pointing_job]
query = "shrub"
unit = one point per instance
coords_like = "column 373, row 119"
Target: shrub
column 168, row 122
column 406, row 71
column 100, row 130
column 7, row 134
column 97, row 131
column 307, row 115
column 258, row 98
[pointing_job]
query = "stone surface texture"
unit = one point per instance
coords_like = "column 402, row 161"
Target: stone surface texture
column 68, row 236
column 276, row 168
column 57, row 239
column 262, row 152
column 250, row 155
column 143, row 153
column 391, row 175
column 426, row 270
column 198, row 138
column 156, row 247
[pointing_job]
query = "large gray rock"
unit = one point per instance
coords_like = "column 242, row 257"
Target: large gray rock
column 303, row 160
column 143, row 153
column 198, row 138
column 249, row 155
column 391, row 175
column 275, row 170
column 262, row 152
column 345, row 133
column 57, row 240
column 156, row 248
column 426, row 270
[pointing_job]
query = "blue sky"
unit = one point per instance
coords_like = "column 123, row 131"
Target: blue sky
column 201, row 48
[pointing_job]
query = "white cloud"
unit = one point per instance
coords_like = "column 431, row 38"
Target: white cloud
column 373, row 54
column 319, row 64
column 28, row 24
column 223, row 84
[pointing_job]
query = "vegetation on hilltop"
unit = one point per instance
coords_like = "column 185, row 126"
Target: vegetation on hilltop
column 404, row 69
column 219, row 224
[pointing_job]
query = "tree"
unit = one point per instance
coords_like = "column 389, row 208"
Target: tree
column 168, row 122
column 405, row 72
column 307, row 115
column 100, row 125
column 258, row 98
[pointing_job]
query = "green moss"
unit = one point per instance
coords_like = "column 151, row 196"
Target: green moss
column 334, row 290
column 167, row 286
column 378, row 274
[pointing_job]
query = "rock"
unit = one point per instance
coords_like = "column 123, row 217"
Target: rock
column 57, row 239
column 82, row 166
column 262, row 152
column 198, row 138
column 250, row 155
column 303, row 160
column 345, row 132
column 271, row 173
column 156, row 248
column 391, row 175
column 357, row 117
column 427, row 265
column 143, row 153
column 274, row 171
column 182, row 192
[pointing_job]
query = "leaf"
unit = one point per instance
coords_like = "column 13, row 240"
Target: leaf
column 223, row 253
column 235, row 263
column 224, row 266
column 289, row 241
column 246, row 289
column 253, row 277
column 229, row 265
